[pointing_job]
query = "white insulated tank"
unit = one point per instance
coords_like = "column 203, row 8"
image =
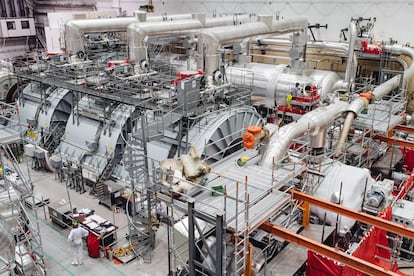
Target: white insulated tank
column 272, row 83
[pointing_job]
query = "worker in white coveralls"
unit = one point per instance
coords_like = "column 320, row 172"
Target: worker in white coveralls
column 75, row 238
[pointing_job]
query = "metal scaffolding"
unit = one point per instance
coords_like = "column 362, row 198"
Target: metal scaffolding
column 20, row 228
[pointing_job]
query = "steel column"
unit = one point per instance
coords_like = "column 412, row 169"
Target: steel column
column 191, row 238
column 219, row 244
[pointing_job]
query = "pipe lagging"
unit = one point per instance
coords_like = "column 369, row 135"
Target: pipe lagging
column 138, row 32
column 213, row 38
column 360, row 103
column 74, row 29
column 311, row 121
column 350, row 72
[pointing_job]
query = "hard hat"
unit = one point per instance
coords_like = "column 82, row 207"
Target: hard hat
column 74, row 223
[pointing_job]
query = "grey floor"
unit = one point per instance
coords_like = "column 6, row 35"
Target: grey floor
column 57, row 251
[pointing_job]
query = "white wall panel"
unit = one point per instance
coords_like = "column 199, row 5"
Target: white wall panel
column 393, row 17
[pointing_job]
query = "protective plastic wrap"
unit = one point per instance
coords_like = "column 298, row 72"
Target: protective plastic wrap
column 353, row 181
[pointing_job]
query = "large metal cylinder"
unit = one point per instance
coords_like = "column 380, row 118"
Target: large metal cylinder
column 272, row 83
column 7, row 81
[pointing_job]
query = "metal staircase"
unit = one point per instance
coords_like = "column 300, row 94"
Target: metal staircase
column 241, row 231
column 51, row 140
column 141, row 202
column 140, row 230
column 99, row 189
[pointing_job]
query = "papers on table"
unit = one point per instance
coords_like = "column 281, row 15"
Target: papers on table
column 97, row 219
column 85, row 211
column 92, row 225
column 110, row 228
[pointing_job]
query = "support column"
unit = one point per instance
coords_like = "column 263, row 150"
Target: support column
column 219, row 243
column 191, row 238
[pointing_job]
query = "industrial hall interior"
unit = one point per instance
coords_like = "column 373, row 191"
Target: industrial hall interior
column 204, row 137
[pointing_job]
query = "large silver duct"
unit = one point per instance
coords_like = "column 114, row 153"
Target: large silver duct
column 325, row 45
column 74, row 29
column 310, row 122
column 346, row 49
column 360, row 103
column 226, row 21
column 139, row 32
column 272, row 83
column 213, row 38
column 350, row 64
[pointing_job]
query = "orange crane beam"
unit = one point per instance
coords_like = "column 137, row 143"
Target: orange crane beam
column 406, row 129
column 395, row 141
column 342, row 257
column 357, row 215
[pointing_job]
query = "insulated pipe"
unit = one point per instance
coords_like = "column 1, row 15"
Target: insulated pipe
column 311, row 121
column 139, row 32
column 334, row 46
column 226, row 21
column 74, row 29
column 213, row 38
column 167, row 17
column 350, row 65
column 360, row 103
column 272, row 83
column 352, row 60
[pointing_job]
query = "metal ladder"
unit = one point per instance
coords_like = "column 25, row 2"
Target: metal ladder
column 27, row 232
column 99, row 187
column 241, row 236
column 30, row 237
column 51, row 140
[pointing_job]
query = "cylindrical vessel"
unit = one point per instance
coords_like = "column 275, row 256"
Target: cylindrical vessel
column 272, row 83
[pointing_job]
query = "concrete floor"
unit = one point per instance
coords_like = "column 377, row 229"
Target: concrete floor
column 57, row 251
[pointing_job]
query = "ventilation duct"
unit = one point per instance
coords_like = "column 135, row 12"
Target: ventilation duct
column 139, row 32
column 360, row 103
column 212, row 39
column 311, row 122
column 74, row 29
